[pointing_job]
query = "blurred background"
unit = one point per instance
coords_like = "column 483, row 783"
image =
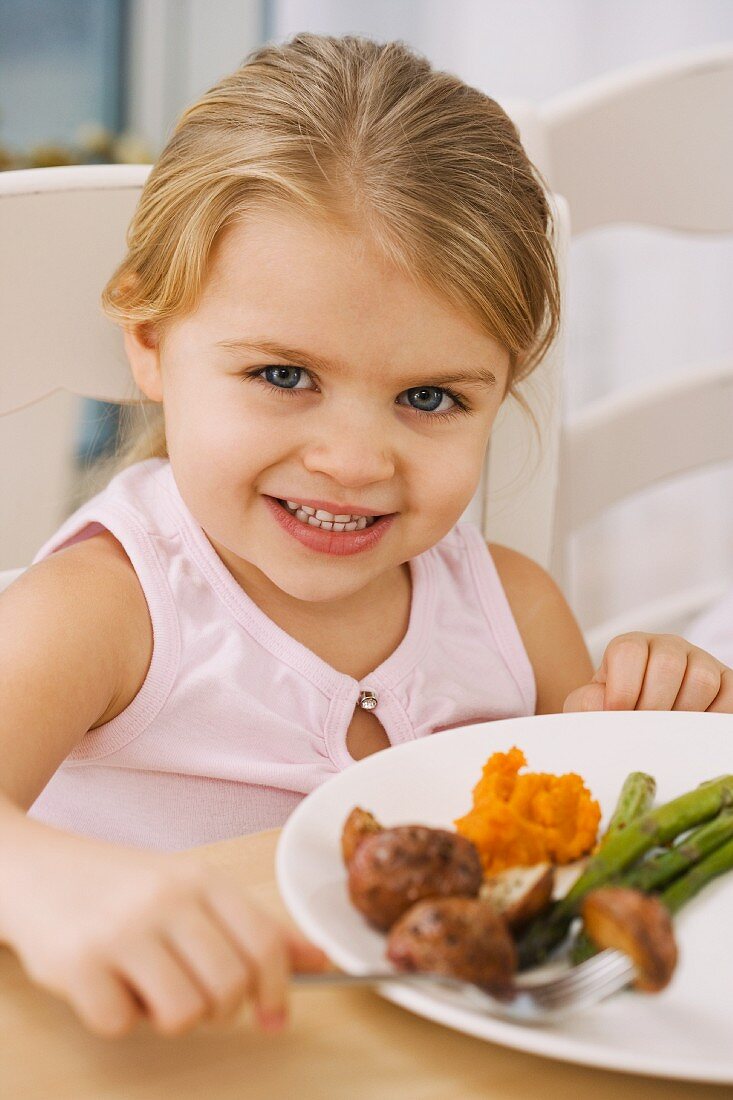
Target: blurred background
column 104, row 81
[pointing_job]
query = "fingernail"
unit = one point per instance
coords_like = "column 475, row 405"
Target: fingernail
column 272, row 1020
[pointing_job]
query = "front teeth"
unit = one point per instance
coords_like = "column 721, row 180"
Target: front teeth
column 326, row 520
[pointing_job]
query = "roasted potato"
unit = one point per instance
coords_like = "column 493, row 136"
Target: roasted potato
column 358, row 825
column 394, row 868
column 637, row 924
column 463, row 937
column 520, row 893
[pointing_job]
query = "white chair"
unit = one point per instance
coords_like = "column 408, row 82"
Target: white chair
column 62, row 232
column 651, row 146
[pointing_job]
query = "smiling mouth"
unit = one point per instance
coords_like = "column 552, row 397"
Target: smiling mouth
column 327, row 521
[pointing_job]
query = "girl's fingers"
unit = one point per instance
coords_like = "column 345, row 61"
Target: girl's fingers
column 588, row 697
column 172, row 997
column 665, row 672
column 625, row 662
column 723, row 701
column 655, row 672
column 305, row 957
column 702, row 682
column 103, row 1000
column 261, row 940
column 222, row 971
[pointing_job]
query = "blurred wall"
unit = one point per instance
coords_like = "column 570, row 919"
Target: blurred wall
column 180, row 48
column 59, row 67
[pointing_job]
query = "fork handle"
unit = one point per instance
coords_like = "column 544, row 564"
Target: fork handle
column 375, row 977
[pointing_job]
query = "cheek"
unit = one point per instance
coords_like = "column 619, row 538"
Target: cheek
column 218, row 430
column 453, row 480
column 465, row 460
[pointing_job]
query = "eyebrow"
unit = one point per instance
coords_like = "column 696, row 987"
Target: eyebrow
column 481, row 376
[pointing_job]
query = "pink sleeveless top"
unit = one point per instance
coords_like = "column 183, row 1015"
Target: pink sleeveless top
column 236, row 721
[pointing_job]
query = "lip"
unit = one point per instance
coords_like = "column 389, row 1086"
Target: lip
column 337, row 509
column 340, row 543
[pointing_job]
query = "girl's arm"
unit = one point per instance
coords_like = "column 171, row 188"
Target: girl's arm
column 75, row 646
column 551, row 636
column 118, row 932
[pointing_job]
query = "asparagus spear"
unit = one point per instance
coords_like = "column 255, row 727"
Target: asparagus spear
column 685, row 887
column 662, row 869
column 621, row 850
column 636, row 797
column 682, row 890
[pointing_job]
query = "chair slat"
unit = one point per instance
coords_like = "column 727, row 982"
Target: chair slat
column 650, row 146
column 669, row 614
column 639, row 438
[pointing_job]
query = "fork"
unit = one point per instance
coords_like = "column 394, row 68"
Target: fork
column 532, row 998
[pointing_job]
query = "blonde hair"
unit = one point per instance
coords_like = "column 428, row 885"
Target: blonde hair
column 368, row 134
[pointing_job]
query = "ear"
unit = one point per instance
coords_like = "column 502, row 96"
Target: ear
column 142, row 344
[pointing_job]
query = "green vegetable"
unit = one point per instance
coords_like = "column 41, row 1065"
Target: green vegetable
column 636, row 797
column 684, row 888
column 662, row 869
column 619, row 851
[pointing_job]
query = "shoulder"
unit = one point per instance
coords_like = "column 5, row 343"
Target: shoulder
column 75, row 645
column 533, row 595
column 549, row 631
column 522, row 578
column 94, row 585
column 94, row 562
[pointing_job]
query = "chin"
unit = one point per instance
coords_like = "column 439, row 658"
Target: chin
column 315, row 589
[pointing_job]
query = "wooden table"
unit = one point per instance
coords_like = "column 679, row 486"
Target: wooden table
column 342, row 1044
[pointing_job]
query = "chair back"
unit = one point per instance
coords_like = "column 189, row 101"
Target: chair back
column 63, row 233
column 652, row 146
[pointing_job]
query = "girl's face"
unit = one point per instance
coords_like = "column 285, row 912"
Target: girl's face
column 313, row 371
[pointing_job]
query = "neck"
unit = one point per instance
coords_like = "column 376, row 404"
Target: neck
column 288, row 611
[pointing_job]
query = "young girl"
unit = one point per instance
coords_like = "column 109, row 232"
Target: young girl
column 338, row 269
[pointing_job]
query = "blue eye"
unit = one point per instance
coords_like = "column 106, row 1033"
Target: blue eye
column 283, row 377
column 429, row 399
column 432, row 402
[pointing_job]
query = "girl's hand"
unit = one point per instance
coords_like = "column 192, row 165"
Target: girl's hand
column 123, row 934
column 655, row 672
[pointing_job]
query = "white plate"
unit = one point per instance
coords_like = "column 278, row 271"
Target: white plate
column 684, row 1032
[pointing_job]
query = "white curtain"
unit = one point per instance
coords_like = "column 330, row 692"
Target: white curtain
column 640, row 303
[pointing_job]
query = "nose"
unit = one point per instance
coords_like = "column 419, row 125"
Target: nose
column 353, row 453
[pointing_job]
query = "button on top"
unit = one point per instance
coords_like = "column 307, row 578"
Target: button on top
column 367, row 700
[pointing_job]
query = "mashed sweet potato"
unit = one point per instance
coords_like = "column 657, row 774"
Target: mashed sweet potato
column 518, row 820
